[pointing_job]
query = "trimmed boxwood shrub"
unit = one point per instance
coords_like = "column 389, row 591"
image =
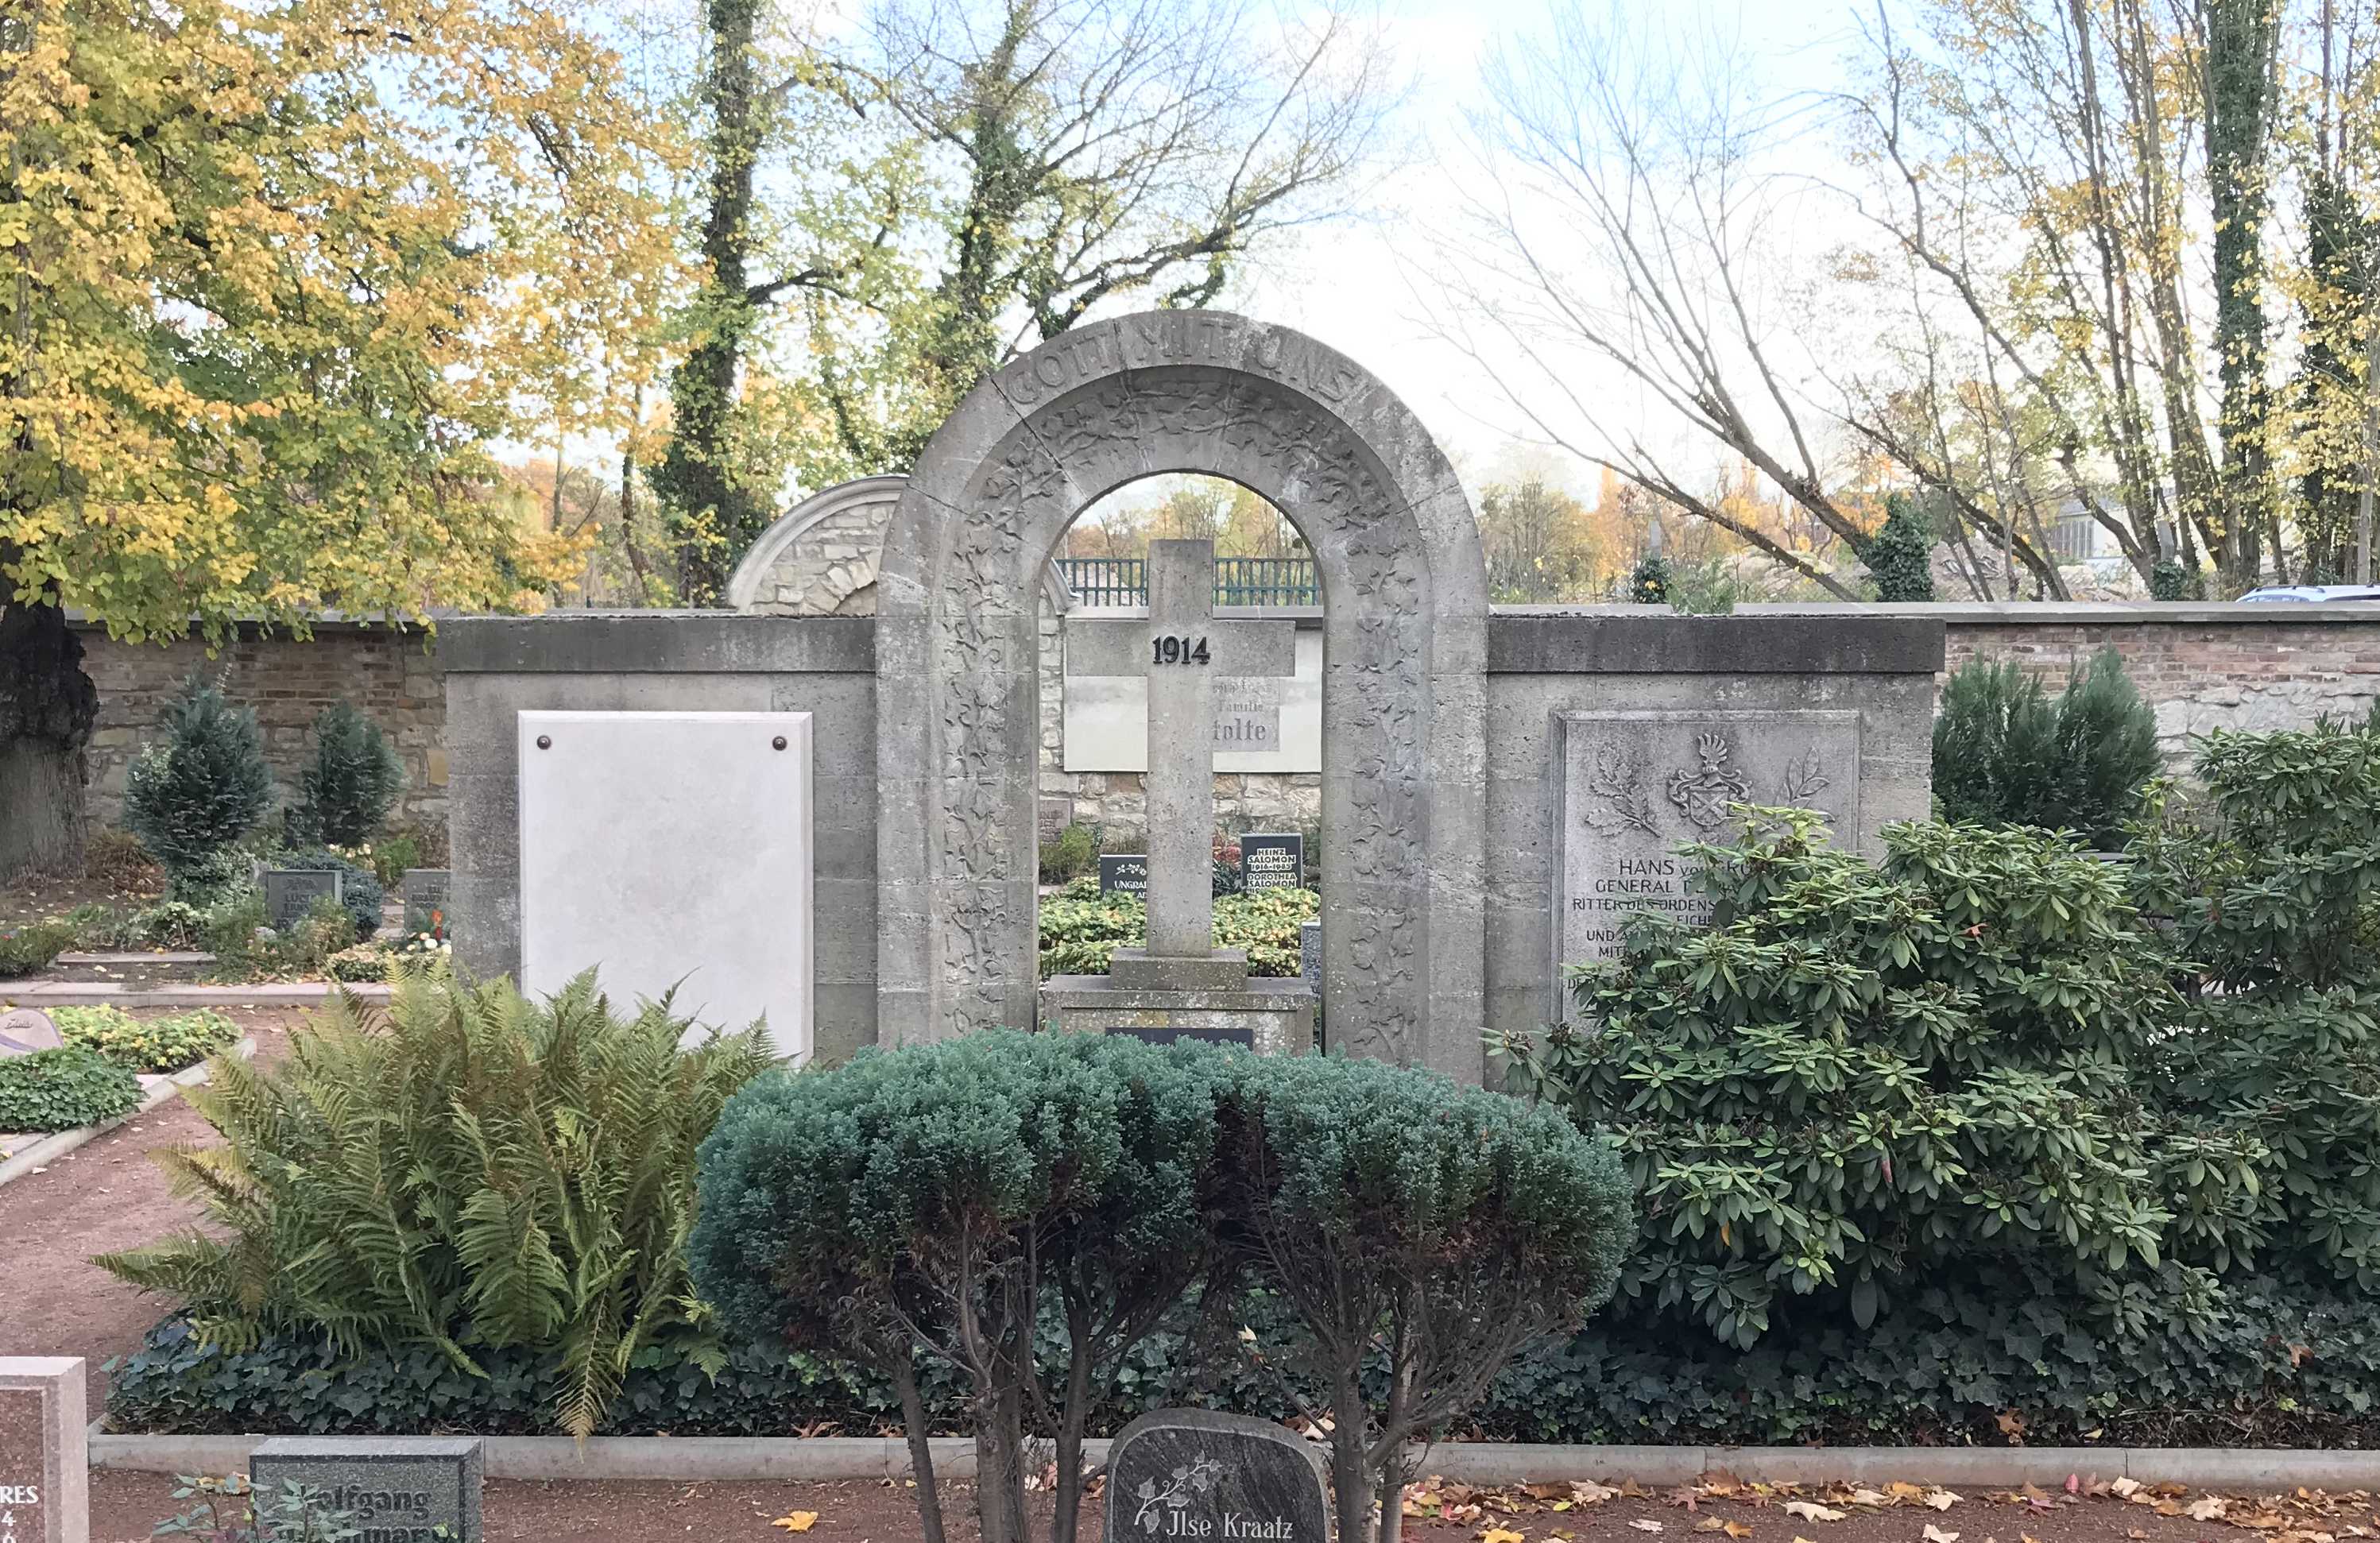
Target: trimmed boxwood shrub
column 28, row 950
column 60, row 1090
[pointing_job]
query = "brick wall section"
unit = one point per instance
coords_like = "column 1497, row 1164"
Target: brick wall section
column 2204, row 666
column 386, row 674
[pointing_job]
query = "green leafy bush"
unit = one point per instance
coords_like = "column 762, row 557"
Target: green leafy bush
column 204, row 786
column 547, row 1156
column 347, row 790
column 364, row 962
column 1863, row 1082
column 1649, row 584
column 2005, row 754
column 168, row 923
column 246, row 949
column 1901, row 555
column 1081, row 929
column 360, row 888
column 954, row 1199
column 28, row 950
column 60, row 1090
column 219, row 879
column 167, row 1043
column 1075, row 853
column 936, row 1197
column 230, row 1510
column 393, row 856
column 1391, row 1208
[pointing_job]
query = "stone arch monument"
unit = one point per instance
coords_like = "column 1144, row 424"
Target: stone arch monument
column 1404, row 587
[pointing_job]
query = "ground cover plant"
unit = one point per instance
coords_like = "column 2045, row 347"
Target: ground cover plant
column 62, row 1089
column 1081, row 929
column 165, row 1043
column 546, row 1156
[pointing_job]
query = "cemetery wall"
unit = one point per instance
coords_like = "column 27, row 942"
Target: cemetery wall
column 685, row 662
column 2203, row 666
column 391, row 675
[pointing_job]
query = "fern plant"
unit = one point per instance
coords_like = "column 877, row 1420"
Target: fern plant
column 471, row 1169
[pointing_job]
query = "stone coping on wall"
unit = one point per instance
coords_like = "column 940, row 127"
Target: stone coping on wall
column 656, row 642
column 2013, row 613
column 1618, row 641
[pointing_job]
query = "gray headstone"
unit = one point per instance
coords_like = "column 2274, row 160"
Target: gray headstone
column 24, row 1030
column 1635, row 785
column 1124, row 873
column 1273, row 860
column 426, row 889
column 1187, row 1476
column 401, row 1489
column 1309, row 954
column 45, row 1460
column 290, row 892
column 1053, row 816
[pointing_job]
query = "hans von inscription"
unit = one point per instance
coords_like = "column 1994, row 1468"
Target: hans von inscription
column 1636, row 785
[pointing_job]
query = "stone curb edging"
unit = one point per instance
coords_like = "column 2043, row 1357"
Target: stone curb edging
column 846, row 1457
column 273, row 993
column 57, row 1144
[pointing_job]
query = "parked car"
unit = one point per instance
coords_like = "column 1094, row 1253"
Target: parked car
column 2287, row 593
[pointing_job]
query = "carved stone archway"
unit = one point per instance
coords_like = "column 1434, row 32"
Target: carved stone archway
column 1403, row 689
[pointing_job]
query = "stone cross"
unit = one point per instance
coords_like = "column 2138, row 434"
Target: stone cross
column 1182, row 650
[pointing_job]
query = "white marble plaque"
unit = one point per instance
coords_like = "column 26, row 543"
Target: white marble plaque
column 1262, row 722
column 672, row 848
column 1635, row 785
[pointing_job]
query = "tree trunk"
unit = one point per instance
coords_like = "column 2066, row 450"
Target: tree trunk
column 921, row 1446
column 47, row 708
column 1000, row 1467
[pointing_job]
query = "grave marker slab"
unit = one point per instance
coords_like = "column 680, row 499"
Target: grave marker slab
column 24, row 1030
column 1637, row 784
column 290, row 892
column 1273, row 859
column 44, row 1458
column 1124, row 873
column 402, row 1488
column 426, row 892
column 1188, row 1475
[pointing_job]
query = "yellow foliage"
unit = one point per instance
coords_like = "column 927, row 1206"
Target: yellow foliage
column 274, row 277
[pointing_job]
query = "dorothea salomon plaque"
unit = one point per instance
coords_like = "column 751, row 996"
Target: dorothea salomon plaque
column 1636, row 785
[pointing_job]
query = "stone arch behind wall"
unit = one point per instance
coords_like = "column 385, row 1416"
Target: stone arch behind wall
column 1405, row 639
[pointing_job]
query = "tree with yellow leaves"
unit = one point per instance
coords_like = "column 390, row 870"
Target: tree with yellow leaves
column 273, row 277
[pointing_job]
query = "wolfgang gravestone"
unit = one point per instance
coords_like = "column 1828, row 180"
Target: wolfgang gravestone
column 1204, row 1478
column 44, row 1459
column 1635, row 785
column 400, row 1489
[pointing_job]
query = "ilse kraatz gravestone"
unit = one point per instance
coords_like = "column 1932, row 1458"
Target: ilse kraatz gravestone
column 1203, row 1478
column 1636, row 785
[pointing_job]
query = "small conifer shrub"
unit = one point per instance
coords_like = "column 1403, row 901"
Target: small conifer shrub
column 204, row 786
column 355, row 777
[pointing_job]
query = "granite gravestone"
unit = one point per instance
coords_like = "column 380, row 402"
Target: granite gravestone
column 290, row 892
column 400, row 1489
column 426, row 891
column 45, row 1460
column 1273, row 860
column 24, row 1030
column 1124, row 874
column 1188, row 1475
column 1635, row 785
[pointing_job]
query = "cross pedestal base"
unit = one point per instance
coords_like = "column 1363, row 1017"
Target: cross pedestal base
column 1223, row 969
column 1270, row 1016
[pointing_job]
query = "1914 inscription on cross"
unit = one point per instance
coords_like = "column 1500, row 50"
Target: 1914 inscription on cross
column 1181, row 648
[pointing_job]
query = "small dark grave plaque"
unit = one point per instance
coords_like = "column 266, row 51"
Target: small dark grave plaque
column 1186, row 1476
column 1174, row 1036
column 1273, row 860
column 400, row 1489
column 290, row 892
column 24, row 1030
column 1124, row 875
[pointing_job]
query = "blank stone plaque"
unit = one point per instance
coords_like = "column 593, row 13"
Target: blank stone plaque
column 1635, row 785
column 672, row 848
